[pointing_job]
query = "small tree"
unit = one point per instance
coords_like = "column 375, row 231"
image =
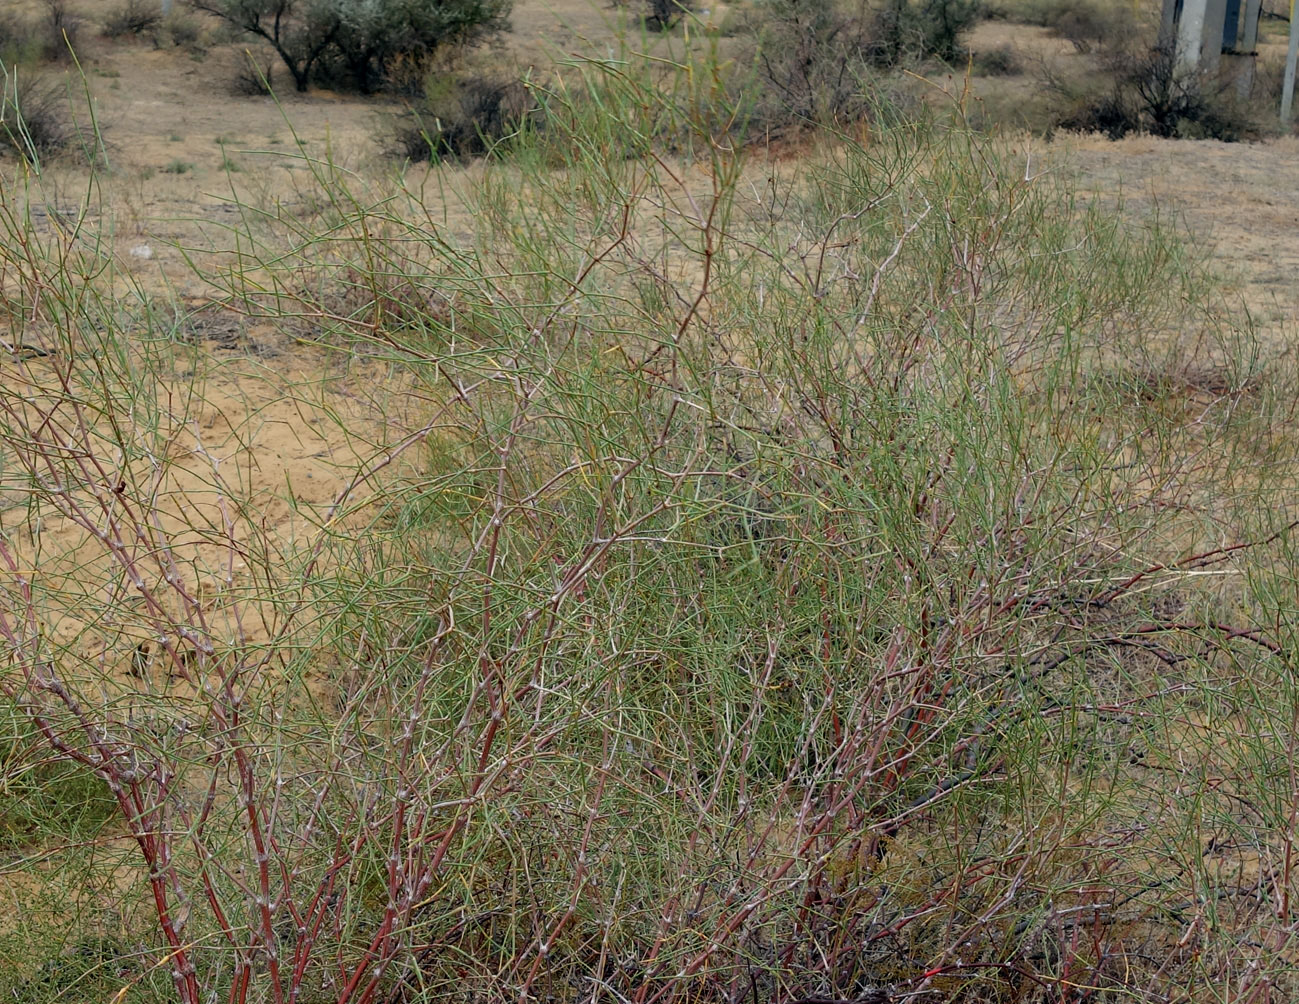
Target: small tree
column 300, row 31
column 373, row 34
column 918, row 30
column 809, row 58
column 362, row 37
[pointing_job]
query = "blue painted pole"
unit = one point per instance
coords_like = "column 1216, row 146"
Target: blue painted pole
column 1231, row 24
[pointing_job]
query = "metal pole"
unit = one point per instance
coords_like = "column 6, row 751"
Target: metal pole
column 1287, row 91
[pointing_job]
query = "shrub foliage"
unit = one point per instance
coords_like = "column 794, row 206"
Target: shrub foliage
column 764, row 582
column 354, row 44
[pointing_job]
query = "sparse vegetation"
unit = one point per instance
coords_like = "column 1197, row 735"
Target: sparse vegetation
column 463, row 115
column 35, row 116
column 1141, row 91
column 134, row 17
column 813, row 62
column 1002, row 61
column 816, row 61
column 744, row 580
column 181, row 30
column 48, row 35
column 910, row 30
column 652, row 564
column 356, row 44
column 1086, row 23
column 253, row 79
column 659, row 15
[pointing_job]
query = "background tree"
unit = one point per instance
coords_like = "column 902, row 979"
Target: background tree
column 356, row 41
column 372, row 35
column 300, row 31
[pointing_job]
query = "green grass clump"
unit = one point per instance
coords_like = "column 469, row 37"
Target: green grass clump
column 756, row 580
column 44, row 799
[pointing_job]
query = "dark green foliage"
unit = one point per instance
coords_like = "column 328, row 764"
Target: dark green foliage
column 356, row 45
column 905, row 30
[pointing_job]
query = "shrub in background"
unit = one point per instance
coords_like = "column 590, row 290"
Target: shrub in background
column 253, row 78
column 1002, row 61
column 299, row 31
column 350, row 44
column 49, row 36
column 1087, row 24
column 181, row 30
column 1146, row 93
column 463, row 115
column 658, row 15
column 811, row 59
column 908, row 30
column 371, row 37
column 814, row 60
column 35, row 116
column 134, row 17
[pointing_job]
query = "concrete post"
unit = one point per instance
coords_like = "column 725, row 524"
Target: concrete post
column 1287, row 90
column 1190, row 35
column 1168, row 22
column 1199, row 36
column 1249, row 37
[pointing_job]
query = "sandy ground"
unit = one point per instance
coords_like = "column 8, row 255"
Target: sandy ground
column 1238, row 202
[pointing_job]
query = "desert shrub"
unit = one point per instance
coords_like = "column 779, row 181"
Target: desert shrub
column 35, row 116
column 91, row 968
column 134, row 17
column 253, row 79
column 1144, row 92
column 813, row 59
column 764, row 582
column 1002, row 61
column 658, row 15
column 811, row 62
column 664, row 14
column 43, row 799
column 349, row 44
column 908, row 30
column 181, row 30
column 46, row 36
column 463, row 116
column 62, row 28
column 17, row 40
column 299, row 31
